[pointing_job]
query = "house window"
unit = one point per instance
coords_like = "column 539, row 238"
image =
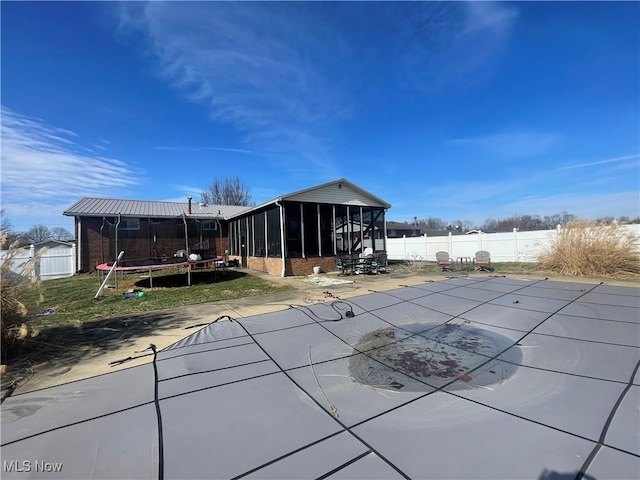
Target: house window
column 129, row 224
column 209, row 225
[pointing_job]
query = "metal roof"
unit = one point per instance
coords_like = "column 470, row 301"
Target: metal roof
column 326, row 192
column 98, row 207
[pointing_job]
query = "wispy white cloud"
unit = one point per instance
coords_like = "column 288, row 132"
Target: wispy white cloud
column 454, row 45
column 531, row 190
column 243, row 62
column 203, row 149
column 608, row 160
column 286, row 74
column 45, row 169
column 511, row 145
column 583, row 205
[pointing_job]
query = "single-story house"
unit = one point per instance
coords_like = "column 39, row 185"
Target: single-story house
column 288, row 235
column 402, row 229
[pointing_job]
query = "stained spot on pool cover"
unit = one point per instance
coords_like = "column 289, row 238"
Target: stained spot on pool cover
column 420, row 356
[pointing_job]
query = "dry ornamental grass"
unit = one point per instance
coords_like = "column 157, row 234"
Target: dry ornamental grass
column 584, row 248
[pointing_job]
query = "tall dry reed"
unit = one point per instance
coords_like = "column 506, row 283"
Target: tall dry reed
column 583, row 248
column 12, row 312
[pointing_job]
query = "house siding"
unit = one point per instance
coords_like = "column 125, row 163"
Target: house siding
column 332, row 194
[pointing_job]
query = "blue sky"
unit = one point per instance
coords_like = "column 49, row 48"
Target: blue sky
column 455, row 110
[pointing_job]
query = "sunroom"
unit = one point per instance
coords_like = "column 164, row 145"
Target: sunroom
column 293, row 233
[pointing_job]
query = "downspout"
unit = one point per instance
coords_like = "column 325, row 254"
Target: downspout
column 104, row 219
column 117, row 225
column 79, row 242
column 282, row 238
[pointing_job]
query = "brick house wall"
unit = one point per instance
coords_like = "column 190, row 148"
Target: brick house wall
column 293, row 266
column 98, row 244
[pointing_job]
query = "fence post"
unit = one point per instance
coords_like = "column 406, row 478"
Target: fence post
column 32, row 253
column 404, row 244
column 515, row 237
column 450, row 244
column 426, row 248
column 479, row 240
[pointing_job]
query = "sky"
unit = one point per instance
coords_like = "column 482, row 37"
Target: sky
column 461, row 111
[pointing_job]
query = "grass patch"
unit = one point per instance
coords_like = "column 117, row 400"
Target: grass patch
column 73, row 298
column 86, row 329
column 583, row 248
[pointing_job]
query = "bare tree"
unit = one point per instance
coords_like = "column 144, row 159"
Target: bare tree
column 39, row 233
column 230, row 191
column 5, row 224
column 62, row 234
column 434, row 223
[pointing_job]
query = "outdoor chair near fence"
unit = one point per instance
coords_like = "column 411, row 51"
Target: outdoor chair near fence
column 482, row 261
column 445, row 261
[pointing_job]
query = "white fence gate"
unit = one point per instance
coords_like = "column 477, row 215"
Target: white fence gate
column 504, row 247
column 54, row 263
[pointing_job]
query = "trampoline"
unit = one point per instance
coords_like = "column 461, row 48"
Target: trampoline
column 148, row 266
column 466, row 378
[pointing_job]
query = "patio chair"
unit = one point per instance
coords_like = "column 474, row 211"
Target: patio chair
column 482, row 261
column 379, row 263
column 444, row 261
column 344, row 266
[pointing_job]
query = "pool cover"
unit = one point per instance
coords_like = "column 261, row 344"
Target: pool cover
column 467, row 378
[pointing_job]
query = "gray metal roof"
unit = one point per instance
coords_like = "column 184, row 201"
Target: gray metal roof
column 98, row 207
column 339, row 192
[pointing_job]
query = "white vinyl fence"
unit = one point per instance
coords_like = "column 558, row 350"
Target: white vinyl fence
column 504, row 247
column 54, row 263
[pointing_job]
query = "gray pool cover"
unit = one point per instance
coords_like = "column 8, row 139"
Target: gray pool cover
column 477, row 378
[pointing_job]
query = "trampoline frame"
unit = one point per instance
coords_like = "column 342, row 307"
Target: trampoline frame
column 131, row 268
